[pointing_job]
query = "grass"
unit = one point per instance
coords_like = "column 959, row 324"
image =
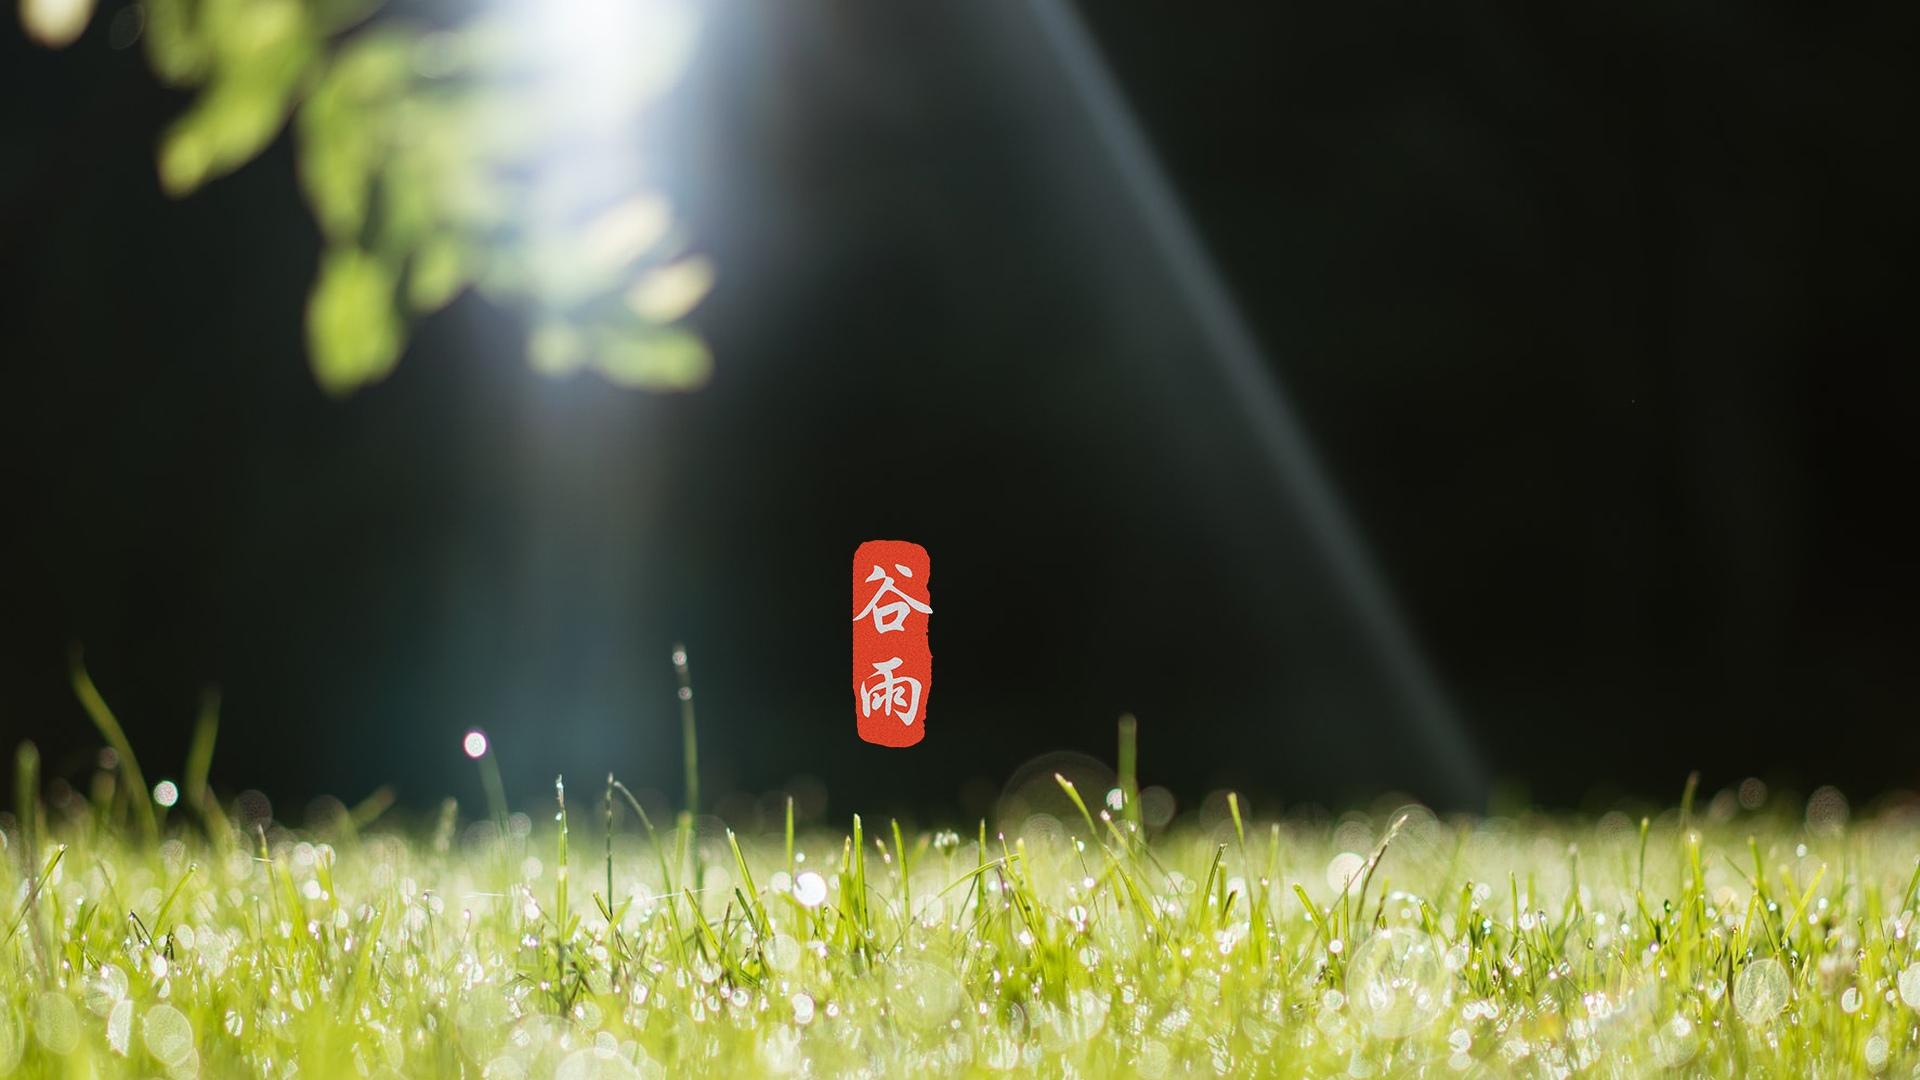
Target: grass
column 1776, row 942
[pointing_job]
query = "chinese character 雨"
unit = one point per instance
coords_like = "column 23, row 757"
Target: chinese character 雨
column 897, row 697
column 888, row 618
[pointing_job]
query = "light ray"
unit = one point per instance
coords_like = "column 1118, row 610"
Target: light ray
column 1249, row 375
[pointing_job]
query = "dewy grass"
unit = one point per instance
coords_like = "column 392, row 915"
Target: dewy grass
column 1725, row 943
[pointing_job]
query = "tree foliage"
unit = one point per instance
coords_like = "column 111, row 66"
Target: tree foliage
column 498, row 155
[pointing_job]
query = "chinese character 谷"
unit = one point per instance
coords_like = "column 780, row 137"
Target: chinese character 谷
column 888, row 618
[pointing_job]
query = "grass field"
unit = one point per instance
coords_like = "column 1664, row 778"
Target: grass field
column 1709, row 940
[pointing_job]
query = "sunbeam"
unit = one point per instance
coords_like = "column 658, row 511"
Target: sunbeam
column 1249, row 374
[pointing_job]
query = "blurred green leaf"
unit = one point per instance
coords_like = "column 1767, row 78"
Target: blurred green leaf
column 253, row 34
column 344, row 129
column 375, row 65
column 256, row 53
column 336, row 170
column 226, row 127
column 435, row 159
column 177, row 50
column 409, row 203
column 617, row 238
column 331, row 16
column 653, row 359
column 666, row 293
column 354, row 332
column 438, row 273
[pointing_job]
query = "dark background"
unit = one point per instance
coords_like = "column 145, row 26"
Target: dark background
column 1600, row 317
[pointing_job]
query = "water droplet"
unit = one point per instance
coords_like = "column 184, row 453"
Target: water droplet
column 1676, row 1042
column 810, row 889
column 56, row 1023
column 1910, row 985
column 1761, row 990
column 923, row 995
column 782, row 952
column 1396, row 983
column 168, row 1035
column 595, row 1063
column 1826, row 810
column 1343, row 871
column 107, row 986
column 1401, row 909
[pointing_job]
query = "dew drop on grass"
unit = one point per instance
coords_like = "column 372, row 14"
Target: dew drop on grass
column 106, row 987
column 1343, row 871
column 810, row 889
column 120, row 1026
column 783, row 952
column 1396, row 983
column 1876, row 1052
column 1760, row 991
column 1064, row 1027
column 595, row 1063
column 1000, row 1052
column 504, row 1068
column 56, row 1023
column 1401, row 909
column 923, row 996
column 1676, row 1042
column 1910, row 985
column 167, row 1034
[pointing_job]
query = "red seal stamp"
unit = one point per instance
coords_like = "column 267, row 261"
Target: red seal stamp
column 892, row 665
